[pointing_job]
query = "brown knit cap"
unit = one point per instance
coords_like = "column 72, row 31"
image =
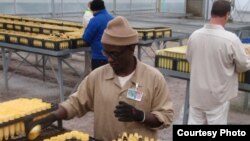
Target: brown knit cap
column 119, row 33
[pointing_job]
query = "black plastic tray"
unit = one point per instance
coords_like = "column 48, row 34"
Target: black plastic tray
column 28, row 117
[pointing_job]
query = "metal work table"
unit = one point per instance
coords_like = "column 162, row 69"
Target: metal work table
column 60, row 55
column 182, row 75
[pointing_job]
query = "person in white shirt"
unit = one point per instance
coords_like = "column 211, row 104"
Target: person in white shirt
column 216, row 57
column 88, row 14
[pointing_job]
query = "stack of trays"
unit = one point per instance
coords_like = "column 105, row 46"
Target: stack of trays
column 145, row 34
column 3, row 35
column 153, row 33
column 51, row 42
column 12, row 17
column 41, row 33
column 71, row 136
column 161, row 32
column 174, row 59
column 74, row 37
column 16, row 114
column 45, row 27
column 35, row 27
column 41, row 21
column 134, row 137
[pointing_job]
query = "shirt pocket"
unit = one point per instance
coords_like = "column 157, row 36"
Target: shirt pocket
column 145, row 103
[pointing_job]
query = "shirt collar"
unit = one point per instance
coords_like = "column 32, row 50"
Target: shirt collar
column 214, row 26
column 109, row 73
column 100, row 11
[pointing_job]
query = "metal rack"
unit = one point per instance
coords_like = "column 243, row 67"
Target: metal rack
column 60, row 55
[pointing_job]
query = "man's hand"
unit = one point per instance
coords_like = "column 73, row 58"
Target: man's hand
column 127, row 113
column 41, row 123
column 247, row 49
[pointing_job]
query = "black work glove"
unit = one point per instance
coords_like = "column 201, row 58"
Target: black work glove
column 44, row 122
column 127, row 113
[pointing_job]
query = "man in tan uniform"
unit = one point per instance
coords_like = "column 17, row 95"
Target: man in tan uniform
column 216, row 57
column 126, row 95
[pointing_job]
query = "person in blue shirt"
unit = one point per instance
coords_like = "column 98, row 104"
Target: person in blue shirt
column 94, row 30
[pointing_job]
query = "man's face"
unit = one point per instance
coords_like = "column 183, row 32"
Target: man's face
column 118, row 56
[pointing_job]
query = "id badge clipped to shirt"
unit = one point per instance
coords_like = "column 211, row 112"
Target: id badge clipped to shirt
column 135, row 93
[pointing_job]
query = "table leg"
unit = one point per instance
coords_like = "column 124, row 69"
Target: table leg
column 158, row 44
column 5, row 69
column 186, row 104
column 87, row 69
column 246, row 98
column 139, row 51
column 44, row 65
column 180, row 42
column 87, row 66
column 36, row 59
column 60, row 79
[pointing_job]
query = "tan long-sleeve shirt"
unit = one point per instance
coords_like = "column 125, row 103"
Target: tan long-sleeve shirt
column 101, row 91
